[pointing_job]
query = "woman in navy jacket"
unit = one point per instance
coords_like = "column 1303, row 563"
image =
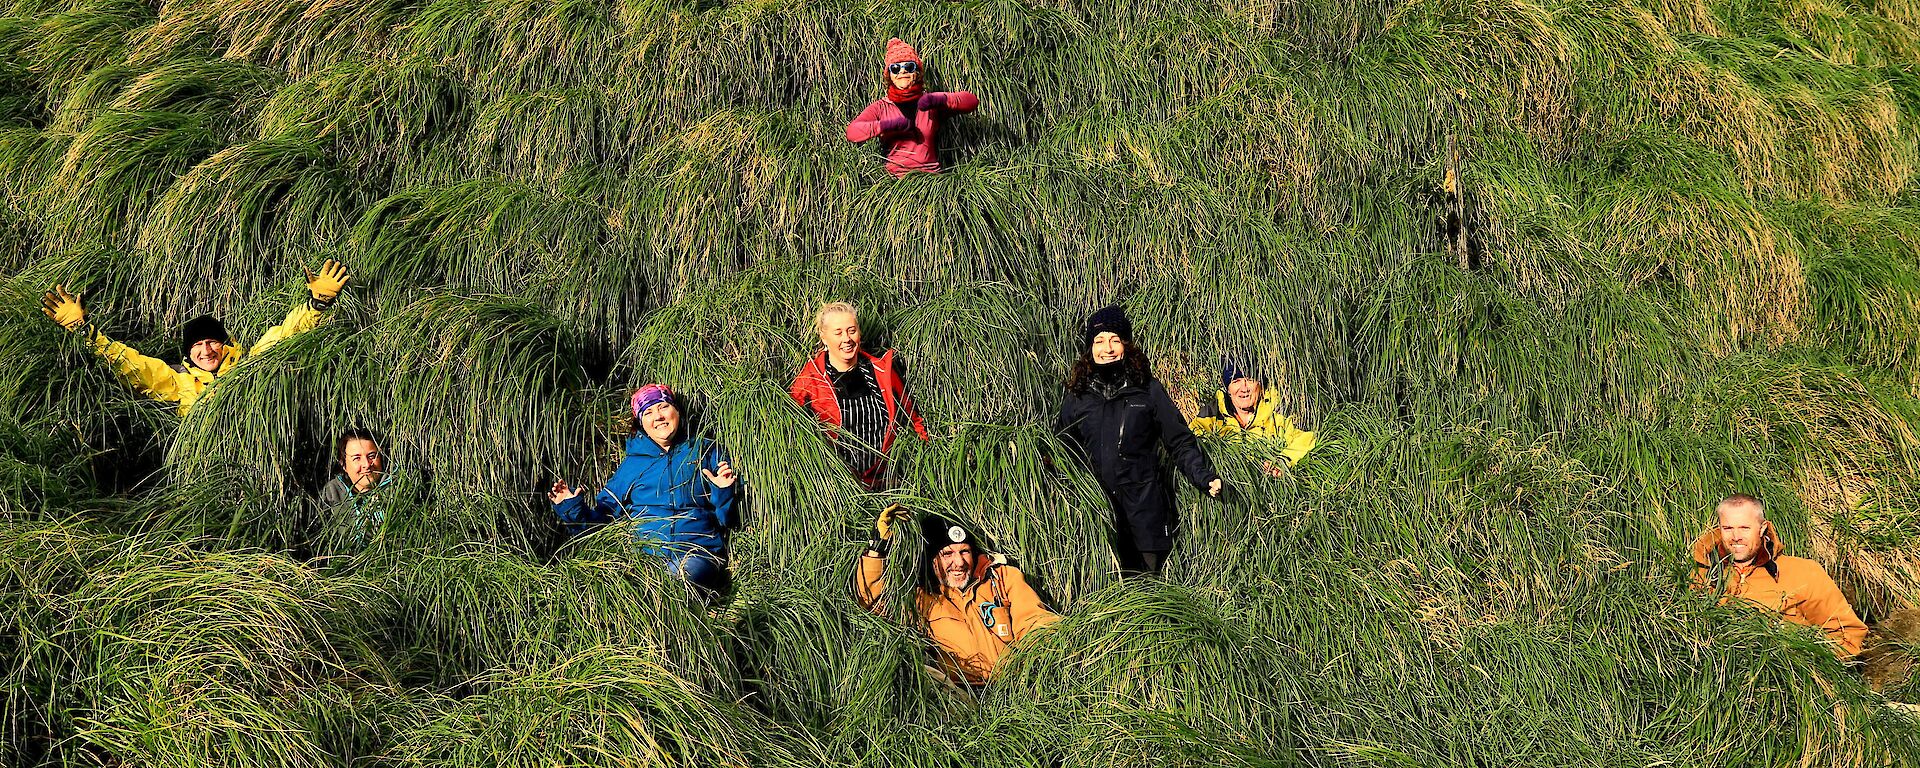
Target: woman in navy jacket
column 676, row 494
column 1118, row 416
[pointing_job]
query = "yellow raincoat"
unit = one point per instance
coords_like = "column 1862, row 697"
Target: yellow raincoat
column 1268, row 424
column 184, row 382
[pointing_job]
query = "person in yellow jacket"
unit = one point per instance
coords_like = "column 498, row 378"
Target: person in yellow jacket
column 1245, row 408
column 1740, row 558
column 206, row 351
column 973, row 604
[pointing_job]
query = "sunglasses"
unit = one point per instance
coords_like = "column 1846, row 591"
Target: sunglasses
column 903, row 68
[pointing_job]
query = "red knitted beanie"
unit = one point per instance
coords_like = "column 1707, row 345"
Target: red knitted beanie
column 898, row 51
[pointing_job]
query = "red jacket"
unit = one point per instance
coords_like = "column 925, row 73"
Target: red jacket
column 916, row 148
column 814, row 391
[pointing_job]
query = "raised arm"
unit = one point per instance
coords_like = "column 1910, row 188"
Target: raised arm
column 871, row 580
column 723, row 481
column 302, row 318
column 322, row 290
column 151, row 375
column 148, row 374
column 1179, row 440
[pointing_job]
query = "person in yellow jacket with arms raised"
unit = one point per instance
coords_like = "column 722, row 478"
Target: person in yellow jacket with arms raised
column 1245, row 408
column 206, row 351
column 1740, row 558
column 972, row 603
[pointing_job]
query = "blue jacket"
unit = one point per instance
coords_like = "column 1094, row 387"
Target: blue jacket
column 662, row 494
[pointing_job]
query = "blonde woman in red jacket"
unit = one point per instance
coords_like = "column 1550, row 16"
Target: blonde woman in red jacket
column 908, row 119
column 861, row 398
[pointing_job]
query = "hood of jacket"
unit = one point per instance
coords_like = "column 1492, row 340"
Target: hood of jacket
column 1710, row 552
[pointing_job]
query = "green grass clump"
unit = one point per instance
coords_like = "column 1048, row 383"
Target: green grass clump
column 1547, row 278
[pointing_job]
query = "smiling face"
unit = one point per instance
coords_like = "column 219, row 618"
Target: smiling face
column 840, row 334
column 902, row 79
column 954, row 565
column 1741, row 526
column 1245, row 394
column 660, row 422
column 206, row 354
column 363, row 463
column 1108, row 348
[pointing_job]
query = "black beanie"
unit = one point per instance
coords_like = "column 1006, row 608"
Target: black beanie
column 940, row 533
column 1109, row 318
column 200, row 329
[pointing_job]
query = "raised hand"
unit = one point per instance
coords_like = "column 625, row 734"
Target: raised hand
column 725, row 478
column 326, row 286
column 64, row 308
column 892, row 514
column 1214, row 488
column 561, row 492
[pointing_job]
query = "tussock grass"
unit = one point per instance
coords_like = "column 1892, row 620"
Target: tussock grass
column 1546, row 278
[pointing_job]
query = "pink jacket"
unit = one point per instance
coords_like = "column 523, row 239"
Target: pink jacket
column 917, row 147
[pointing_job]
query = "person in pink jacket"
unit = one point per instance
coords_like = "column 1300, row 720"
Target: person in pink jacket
column 908, row 119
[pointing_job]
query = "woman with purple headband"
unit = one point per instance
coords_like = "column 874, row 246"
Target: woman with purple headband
column 676, row 494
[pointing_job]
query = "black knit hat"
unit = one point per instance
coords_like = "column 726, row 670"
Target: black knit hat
column 941, row 533
column 1109, row 318
column 938, row 533
column 200, row 329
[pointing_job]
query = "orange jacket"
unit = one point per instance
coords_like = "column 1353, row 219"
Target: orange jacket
column 955, row 619
column 1796, row 588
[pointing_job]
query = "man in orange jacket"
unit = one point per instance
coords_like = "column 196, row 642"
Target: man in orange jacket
column 1740, row 557
column 973, row 604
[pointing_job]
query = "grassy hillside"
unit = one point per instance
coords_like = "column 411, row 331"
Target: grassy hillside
column 1547, row 277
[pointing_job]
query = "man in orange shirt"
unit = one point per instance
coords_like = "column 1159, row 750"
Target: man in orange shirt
column 1740, row 557
column 973, row 605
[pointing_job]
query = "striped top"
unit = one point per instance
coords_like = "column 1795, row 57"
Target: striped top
column 863, row 414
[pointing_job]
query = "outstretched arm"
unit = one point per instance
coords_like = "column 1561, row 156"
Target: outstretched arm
column 148, row 374
column 322, row 290
column 961, row 102
column 1179, row 440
